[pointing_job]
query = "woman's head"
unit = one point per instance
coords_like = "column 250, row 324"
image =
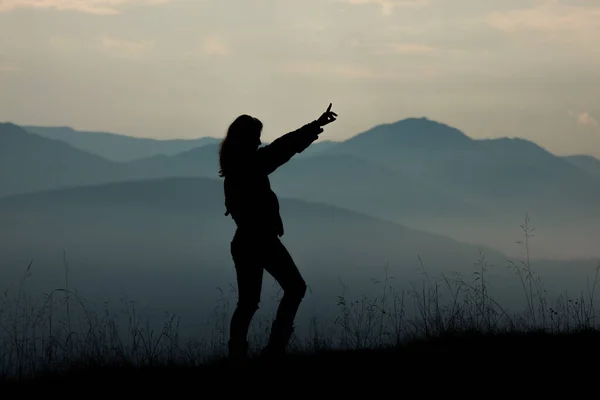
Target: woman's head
column 243, row 137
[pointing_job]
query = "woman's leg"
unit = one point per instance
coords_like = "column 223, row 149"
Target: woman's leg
column 283, row 269
column 249, row 274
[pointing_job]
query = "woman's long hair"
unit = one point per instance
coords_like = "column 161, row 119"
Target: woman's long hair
column 243, row 132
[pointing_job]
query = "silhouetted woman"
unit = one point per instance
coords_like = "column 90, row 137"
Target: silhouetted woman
column 255, row 209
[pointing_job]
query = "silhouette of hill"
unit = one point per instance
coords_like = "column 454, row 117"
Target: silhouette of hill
column 488, row 172
column 543, row 180
column 535, row 158
column 32, row 163
column 417, row 172
column 29, row 162
column 117, row 206
column 587, row 163
column 506, row 177
column 365, row 186
column 338, row 179
column 200, row 162
column 317, row 146
column 409, row 359
column 175, row 232
column 500, row 174
column 116, row 147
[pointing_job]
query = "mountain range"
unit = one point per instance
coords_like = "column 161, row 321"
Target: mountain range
column 416, row 172
column 165, row 243
column 116, row 147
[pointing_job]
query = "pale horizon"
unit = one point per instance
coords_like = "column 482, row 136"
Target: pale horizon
column 169, row 69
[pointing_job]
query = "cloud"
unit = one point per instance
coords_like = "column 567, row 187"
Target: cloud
column 395, row 48
column 388, row 6
column 407, row 48
column 209, row 47
column 213, row 46
column 548, row 16
column 125, row 48
column 338, row 69
column 8, row 67
column 584, row 118
column 102, row 7
column 63, row 43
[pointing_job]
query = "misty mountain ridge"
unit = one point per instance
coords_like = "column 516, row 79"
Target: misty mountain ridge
column 117, row 147
column 150, row 236
column 29, row 162
column 171, row 235
column 416, row 171
column 419, row 131
column 352, row 182
column 486, row 171
column 587, row 163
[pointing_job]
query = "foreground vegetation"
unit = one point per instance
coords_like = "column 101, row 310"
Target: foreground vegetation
column 60, row 338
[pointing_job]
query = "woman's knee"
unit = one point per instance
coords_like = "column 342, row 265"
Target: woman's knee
column 248, row 305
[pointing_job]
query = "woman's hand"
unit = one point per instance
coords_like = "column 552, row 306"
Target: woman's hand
column 327, row 117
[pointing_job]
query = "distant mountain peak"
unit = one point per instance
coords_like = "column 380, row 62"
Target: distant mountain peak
column 414, row 129
column 417, row 119
column 425, row 122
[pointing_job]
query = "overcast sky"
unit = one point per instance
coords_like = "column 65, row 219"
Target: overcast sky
column 187, row 68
